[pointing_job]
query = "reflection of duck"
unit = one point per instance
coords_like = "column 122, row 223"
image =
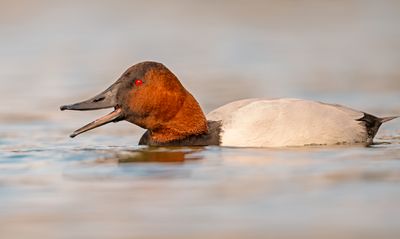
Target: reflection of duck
column 151, row 96
column 155, row 155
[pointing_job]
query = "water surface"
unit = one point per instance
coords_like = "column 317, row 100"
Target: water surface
column 103, row 186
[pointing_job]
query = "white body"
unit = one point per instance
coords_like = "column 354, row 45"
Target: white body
column 288, row 122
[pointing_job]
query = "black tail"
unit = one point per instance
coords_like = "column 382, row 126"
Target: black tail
column 372, row 124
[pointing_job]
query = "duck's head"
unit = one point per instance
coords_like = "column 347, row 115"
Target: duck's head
column 150, row 96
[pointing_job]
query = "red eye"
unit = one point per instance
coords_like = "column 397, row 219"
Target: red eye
column 138, row 82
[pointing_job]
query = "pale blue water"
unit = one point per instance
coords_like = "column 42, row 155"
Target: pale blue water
column 101, row 185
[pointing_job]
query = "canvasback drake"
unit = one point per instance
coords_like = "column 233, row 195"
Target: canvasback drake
column 149, row 95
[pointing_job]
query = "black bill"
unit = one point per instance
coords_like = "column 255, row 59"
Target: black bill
column 106, row 99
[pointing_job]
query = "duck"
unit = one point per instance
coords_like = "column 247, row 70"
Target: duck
column 151, row 96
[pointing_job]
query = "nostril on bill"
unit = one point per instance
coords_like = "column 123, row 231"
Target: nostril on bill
column 99, row 99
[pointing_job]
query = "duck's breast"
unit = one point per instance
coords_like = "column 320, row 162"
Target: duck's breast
column 287, row 122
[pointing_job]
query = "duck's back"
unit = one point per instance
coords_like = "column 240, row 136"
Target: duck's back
column 289, row 122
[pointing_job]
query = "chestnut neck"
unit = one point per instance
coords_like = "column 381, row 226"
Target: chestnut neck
column 188, row 121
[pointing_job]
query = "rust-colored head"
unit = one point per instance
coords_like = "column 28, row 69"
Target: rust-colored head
column 150, row 96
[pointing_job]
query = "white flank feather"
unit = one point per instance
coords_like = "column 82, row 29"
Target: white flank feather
column 287, row 122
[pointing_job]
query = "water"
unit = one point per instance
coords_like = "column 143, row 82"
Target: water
column 102, row 185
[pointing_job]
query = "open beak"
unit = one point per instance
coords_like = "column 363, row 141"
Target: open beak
column 106, row 99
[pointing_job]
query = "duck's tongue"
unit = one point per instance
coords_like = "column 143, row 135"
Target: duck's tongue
column 106, row 99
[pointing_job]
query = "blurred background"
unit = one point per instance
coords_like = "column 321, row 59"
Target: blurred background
column 59, row 52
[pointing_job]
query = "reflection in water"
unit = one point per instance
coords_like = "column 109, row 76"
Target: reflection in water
column 128, row 164
column 160, row 155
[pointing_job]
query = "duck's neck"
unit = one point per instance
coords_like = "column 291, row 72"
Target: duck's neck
column 188, row 121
